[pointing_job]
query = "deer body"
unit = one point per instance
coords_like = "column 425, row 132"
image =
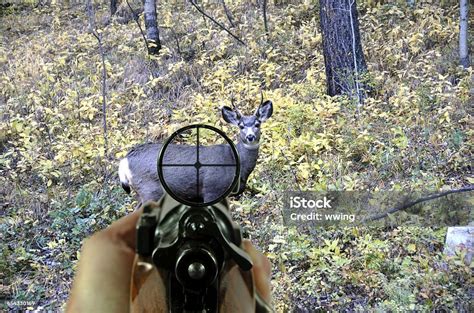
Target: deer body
column 138, row 170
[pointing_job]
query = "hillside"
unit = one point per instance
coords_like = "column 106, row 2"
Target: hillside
column 59, row 183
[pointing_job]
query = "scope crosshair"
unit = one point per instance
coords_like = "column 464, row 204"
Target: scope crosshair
column 212, row 172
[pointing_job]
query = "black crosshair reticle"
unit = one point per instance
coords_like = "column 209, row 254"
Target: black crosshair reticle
column 183, row 180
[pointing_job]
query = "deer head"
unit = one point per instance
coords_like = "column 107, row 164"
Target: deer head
column 249, row 124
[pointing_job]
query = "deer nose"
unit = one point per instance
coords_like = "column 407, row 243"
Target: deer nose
column 250, row 138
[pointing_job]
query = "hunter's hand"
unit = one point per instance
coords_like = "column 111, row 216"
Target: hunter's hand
column 102, row 281
column 104, row 276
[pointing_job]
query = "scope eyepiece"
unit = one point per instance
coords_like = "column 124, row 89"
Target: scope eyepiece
column 196, row 268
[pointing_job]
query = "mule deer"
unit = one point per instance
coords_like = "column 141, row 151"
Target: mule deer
column 138, row 170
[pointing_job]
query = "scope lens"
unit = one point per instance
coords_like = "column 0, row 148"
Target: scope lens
column 198, row 165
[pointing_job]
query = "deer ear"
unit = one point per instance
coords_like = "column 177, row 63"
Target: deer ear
column 264, row 111
column 230, row 116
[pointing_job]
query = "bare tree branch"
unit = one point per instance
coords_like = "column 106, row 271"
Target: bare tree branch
column 175, row 36
column 98, row 36
column 295, row 177
column 293, row 172
column 412, row 203
column 227, row 13
column 135, row 18
column 216, row 22
column 354, row 55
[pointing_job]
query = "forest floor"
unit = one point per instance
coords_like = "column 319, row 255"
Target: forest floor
column 59, row 183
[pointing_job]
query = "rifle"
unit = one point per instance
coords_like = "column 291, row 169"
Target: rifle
column 193, row 245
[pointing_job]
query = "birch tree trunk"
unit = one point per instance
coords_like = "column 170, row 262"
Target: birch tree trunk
column 151, row 25
column 463, row 33
column 342, row 48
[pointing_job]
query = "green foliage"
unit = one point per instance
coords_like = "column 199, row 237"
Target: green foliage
column 412, row 132
column 396, row 270
column 35, row 253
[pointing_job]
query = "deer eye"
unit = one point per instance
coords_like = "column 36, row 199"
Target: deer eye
column 257, row 125
column 241, row 126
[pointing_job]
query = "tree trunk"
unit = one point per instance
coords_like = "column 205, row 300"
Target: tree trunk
column 265, row 23
column 113, row 7
column 343, row 55
column 463, row 33
column 152, row 33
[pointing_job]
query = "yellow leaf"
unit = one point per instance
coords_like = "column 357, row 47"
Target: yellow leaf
column 120, row 154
